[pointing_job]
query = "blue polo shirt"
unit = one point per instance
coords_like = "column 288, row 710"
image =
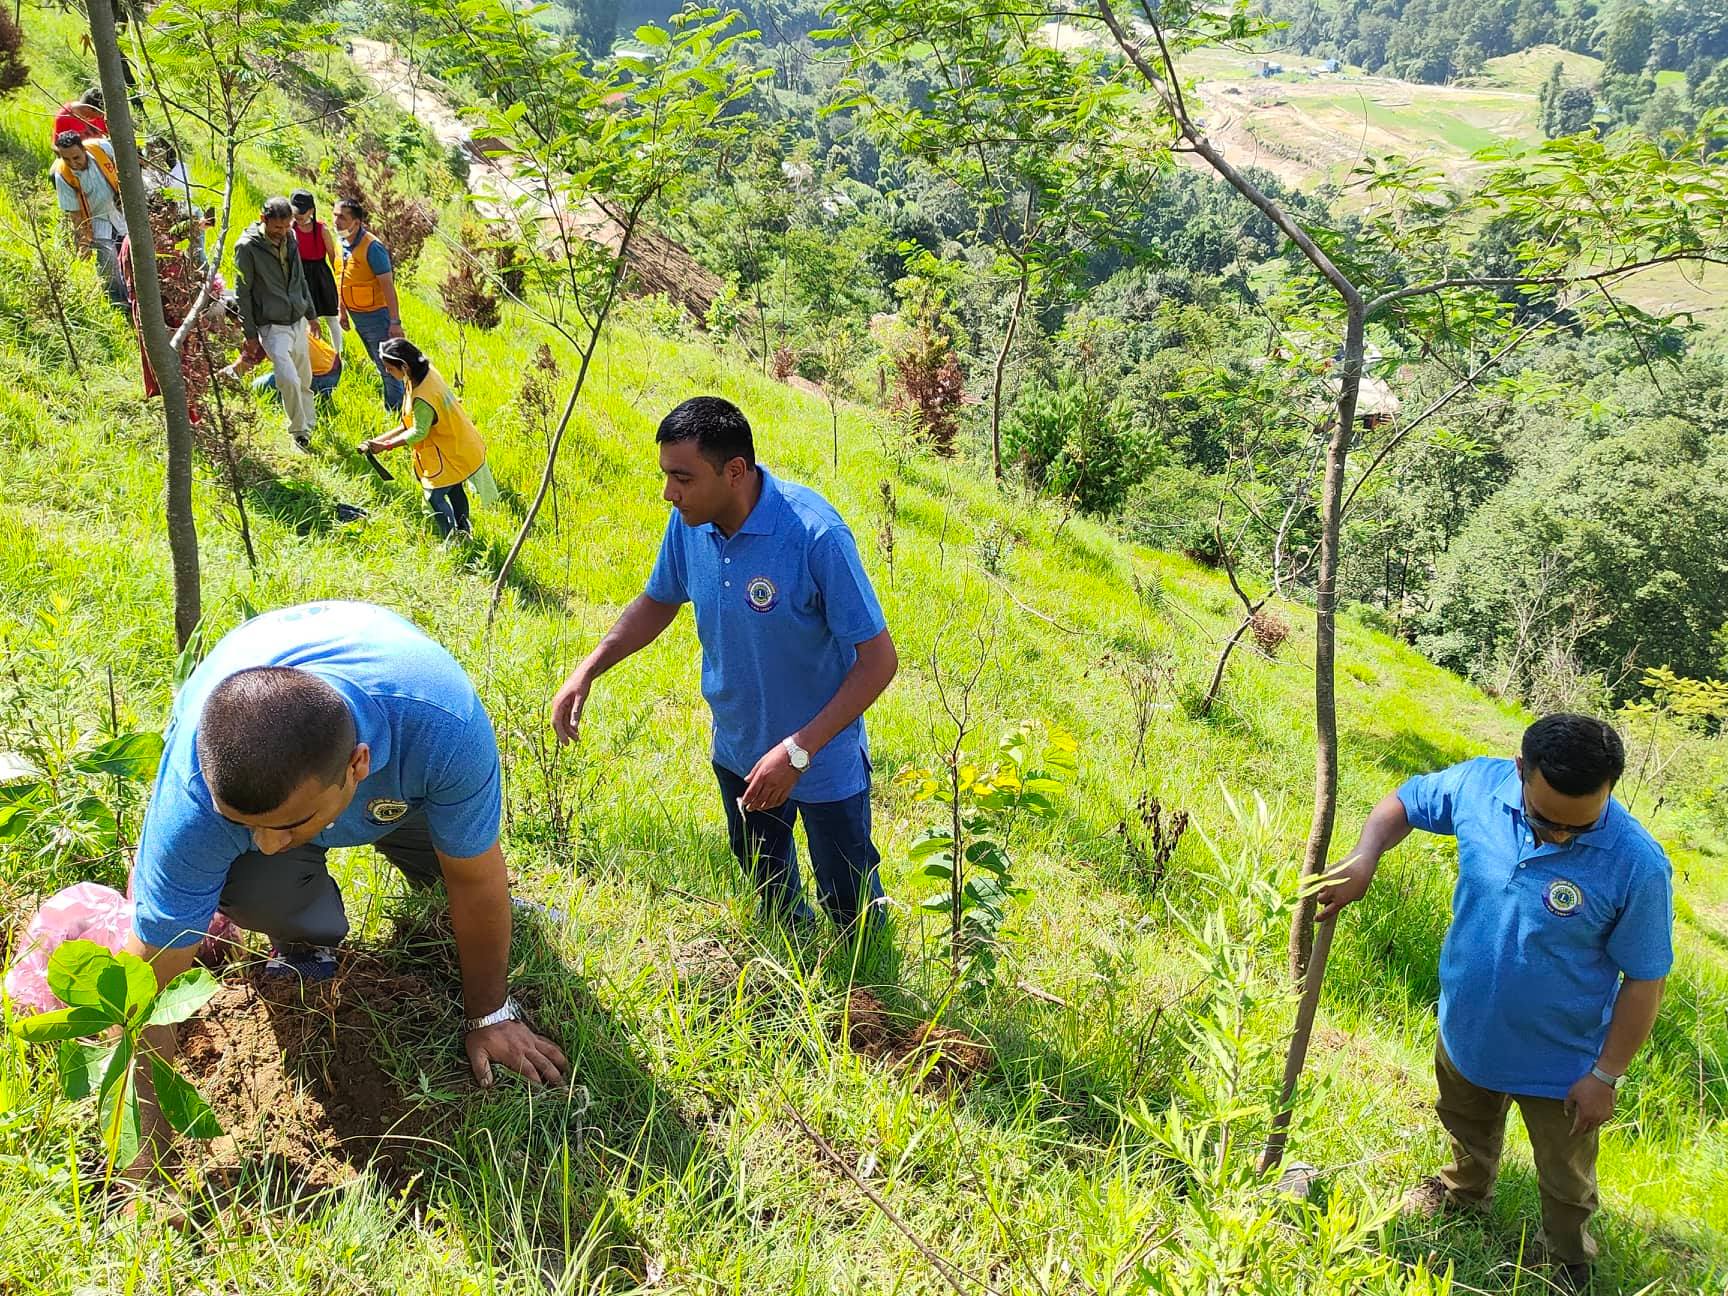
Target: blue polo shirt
column 1540, row 934
column 432, row 744
column 781, row 607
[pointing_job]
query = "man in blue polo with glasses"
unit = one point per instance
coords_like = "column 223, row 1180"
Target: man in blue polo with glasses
column 794, row 650
column 1552, row 971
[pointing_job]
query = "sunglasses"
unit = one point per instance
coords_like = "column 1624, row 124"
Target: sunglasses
column 1549, row 826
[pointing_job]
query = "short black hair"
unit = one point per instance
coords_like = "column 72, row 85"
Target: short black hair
column 264, row 731
column 93, row 98
column 716, row 425
column 276, row 208
column 1577, row 754
column 354, row 207
column 67, row 138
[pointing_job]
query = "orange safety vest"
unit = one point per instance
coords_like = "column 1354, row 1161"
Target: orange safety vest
column 360, row 288
column 104, row 163
column 453, row 451
column 323, row 354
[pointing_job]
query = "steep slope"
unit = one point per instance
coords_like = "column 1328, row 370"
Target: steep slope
column 702, row 1046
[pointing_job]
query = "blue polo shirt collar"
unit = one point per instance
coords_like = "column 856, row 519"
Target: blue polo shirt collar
column 765, row 516
column 1603, row 836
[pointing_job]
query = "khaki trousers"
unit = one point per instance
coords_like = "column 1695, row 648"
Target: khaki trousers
column 1565, row 1165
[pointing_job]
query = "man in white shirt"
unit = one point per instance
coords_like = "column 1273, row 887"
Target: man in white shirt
column 87, row 183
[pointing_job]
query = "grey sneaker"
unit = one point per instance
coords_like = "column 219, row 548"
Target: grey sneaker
column 308, row 962
column 303, row 440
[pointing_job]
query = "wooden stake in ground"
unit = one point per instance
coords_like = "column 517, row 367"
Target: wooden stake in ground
column 182, row 529
column 1279, row 1134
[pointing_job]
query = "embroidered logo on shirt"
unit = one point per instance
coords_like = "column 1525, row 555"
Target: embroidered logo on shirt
column 761, row 594
column 1563, row 898
column 383, row 810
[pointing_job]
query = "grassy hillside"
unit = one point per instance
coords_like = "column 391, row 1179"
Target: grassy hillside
column 1101, row 1146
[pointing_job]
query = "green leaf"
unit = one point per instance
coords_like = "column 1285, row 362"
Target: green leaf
column 937, row 903
column 82, row 1067
column 73, row 969
column 118, row 1105
column 77, row 1022
column 931, row 842
column 654, row 37
column 140, row 983
column 185, row 1109
column 938, row 870
column 182, row 997
column 130, row 756
column 187, row 661
column 113, row 989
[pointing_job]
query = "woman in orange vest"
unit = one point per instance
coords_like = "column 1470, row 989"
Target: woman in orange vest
column 448, row 452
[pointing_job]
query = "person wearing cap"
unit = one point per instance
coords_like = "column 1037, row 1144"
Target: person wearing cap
column 367, row 290
column 318, row 257
column 83, row 117
column 1552, row 971
column 449, row 455
column 275, row 309
column 87, row 185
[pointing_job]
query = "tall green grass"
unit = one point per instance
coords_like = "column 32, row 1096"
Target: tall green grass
column 677, row 1164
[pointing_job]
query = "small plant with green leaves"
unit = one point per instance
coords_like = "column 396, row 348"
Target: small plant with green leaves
column 115, row 997
column 968, row 855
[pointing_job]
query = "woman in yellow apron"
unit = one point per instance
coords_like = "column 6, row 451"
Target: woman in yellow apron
column 449, row 455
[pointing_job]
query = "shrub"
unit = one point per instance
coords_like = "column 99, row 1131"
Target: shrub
column 1074, row 443
column 14, row 72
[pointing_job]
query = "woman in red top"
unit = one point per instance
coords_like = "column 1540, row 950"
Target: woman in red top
column 318, row 256
column 84, row 116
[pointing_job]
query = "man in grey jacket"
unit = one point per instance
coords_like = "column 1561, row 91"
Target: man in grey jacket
column 275, row 308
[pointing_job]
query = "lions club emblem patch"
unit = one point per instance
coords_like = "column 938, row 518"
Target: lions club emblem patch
column 1563, row 898
column 384, row 810
column 761, row 594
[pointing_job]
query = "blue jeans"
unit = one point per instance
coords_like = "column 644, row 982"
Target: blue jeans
column 322, row 384
column 449, row 505
column 841, row 852
column 373, row 327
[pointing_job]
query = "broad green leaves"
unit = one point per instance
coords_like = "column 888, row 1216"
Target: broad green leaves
column 967, row 855
column 116, row 994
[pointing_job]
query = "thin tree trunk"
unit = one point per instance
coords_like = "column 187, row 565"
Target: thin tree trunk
column 182, row 528
column 1325, row 641
column 1001, row 366
column 620, row 268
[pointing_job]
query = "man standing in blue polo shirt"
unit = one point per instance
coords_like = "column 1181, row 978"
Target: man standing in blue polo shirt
column 1552, row 971
column 330, row 724
column 794, row 650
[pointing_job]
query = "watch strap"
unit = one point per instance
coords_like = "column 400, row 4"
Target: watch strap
column 507, row 1011
column 800, row 757
column 1612, row 1081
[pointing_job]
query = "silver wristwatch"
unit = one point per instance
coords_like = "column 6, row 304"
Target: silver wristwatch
column 800, row 757
column 1612, row 1081
column 509, row 1012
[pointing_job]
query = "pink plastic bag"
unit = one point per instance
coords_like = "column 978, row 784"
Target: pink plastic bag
column 93, row 912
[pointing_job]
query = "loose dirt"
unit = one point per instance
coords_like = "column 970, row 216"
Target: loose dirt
column 953, row 1059
column 295, row 1075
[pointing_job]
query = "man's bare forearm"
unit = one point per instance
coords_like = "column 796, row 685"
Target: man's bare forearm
column 1634, row 1017
column 872, row 673
column 479, row 893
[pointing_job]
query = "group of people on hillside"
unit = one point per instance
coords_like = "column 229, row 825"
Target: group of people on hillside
column 300, row 286
column 338, row 724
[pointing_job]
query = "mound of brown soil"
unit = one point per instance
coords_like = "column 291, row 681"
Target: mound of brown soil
column 295, row 1074
column 953, row 1058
